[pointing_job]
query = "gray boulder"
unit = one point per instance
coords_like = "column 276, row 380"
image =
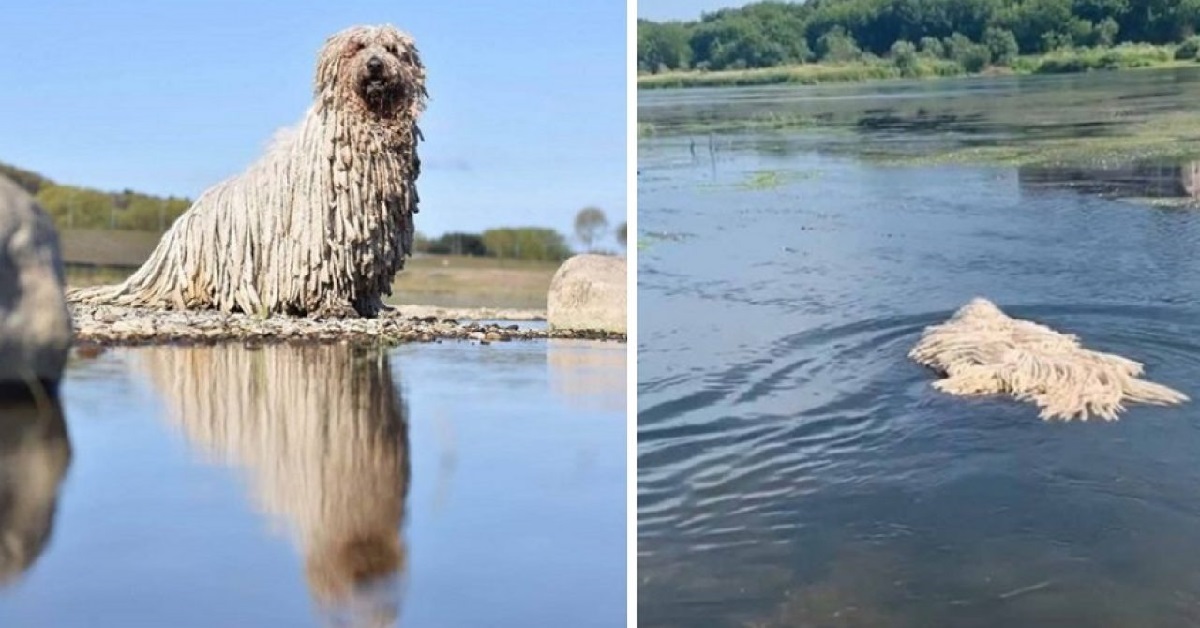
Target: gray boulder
column 35, row 325
column 588, row 293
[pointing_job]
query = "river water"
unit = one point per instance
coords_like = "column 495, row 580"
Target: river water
column 795, row 468
column 446, row 484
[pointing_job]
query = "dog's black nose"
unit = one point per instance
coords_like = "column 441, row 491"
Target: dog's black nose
column 374, row 66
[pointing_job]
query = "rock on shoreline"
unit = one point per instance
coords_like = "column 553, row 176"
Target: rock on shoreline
column 107, row 325
column 35, row 330
column 588, row 292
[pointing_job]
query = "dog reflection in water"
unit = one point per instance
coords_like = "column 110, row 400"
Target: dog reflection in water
column 322, row 432
column 34, row 456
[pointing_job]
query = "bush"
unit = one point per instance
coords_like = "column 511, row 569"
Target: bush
column 971, row 56
column 1106, row 32
column 904, row 56
column 1189, row 49
column 521, row 243
column 28, row 180
column 932, row 47
column 837, row 46
column 1123, row 56
column 1054, row 40
column 529, row 243
column 458, row 243
column 662, row 46
column 1002, row 45
column 1063, row 65
column 1081, row 32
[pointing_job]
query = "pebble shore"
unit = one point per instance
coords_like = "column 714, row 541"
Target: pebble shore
column 106, row 325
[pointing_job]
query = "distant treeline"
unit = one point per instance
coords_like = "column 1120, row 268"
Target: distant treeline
column 970, row 33
column 74, row 207
column 531, row 243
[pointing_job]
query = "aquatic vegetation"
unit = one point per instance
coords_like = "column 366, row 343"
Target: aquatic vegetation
column 1189, row 49
column 1166, row 203
column 766, row 121
column 770, row 179
column 763, row 179
column 1085, row 126
column 982, row 351
column 1167, row 136
column 648, row 238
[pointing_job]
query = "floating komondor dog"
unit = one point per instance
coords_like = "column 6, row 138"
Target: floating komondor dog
column 322, row 223
column 982, row 351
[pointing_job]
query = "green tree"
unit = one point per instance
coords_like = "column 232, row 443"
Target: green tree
column 26, row 179
column 1096, row 11
column 933, row 47
column 148, row 213
column 837, row 46
column 77, row 208
column 590, row 222
column 736, row 42
column 772, row 32
column 1001, row 44
column 421, row 242
column 971, row 56
column 662, row 45
column 904, row 56
column 1188, row 49
column 1081, row 32
column 782, row 24
column 1055, row 40
column 459, row 243
column 1186, row 19
column 529, row 243
column 1034, row 20
column 1106, row 32
column 621, row 234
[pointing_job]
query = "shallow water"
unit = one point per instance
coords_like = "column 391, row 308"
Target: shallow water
column 433, row 485
column 795, row 468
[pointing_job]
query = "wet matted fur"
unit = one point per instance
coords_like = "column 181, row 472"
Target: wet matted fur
column 321, row 224
column 982, row 351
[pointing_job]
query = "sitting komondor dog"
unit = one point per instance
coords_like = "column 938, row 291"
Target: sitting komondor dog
column 322, row 223
column 982, row 351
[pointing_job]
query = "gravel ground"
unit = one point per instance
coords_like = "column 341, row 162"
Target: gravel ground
column 105, row 325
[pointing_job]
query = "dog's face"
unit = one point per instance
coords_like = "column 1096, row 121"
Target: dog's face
column 378, row 65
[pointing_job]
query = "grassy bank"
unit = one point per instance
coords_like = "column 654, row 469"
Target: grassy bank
column 455, row 281
column 100, row 257
column 1058, row 62
column 807, row 74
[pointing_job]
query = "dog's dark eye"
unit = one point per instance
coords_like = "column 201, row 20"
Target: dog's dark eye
column 391, row 48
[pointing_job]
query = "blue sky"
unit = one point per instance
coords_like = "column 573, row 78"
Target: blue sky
column 526, row 123
column 681, row 9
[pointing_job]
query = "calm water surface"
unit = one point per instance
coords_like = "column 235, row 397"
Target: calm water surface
column 433, row 485
column 796, row 469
